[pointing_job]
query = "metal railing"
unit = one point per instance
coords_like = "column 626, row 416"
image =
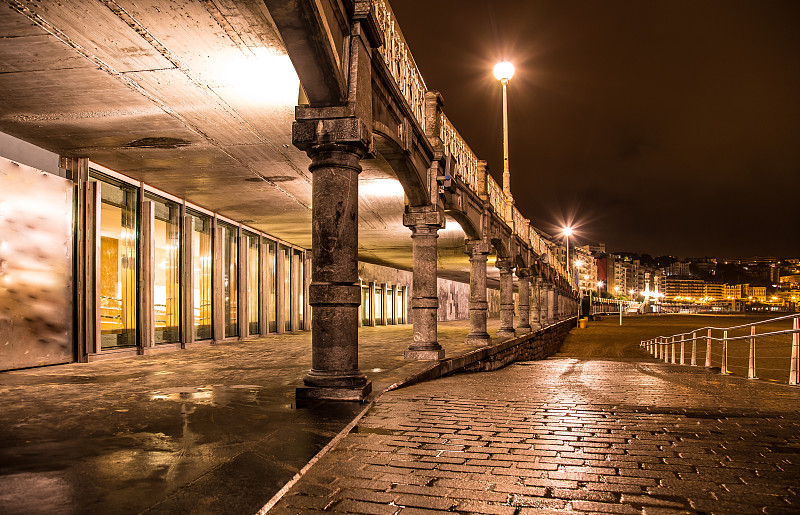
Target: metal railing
column 734, row 352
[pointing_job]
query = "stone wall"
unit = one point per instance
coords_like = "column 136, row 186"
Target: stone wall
column 539, row 344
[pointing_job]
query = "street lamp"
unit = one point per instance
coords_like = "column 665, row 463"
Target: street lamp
column 567, row 231
column 503, row 72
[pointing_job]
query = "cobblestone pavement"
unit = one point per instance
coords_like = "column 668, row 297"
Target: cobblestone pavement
column 625, row 434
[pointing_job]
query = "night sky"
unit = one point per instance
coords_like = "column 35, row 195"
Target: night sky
column 659, row 127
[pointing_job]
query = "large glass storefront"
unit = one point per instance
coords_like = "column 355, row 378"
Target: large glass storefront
column 261, row 289
column 117, row 273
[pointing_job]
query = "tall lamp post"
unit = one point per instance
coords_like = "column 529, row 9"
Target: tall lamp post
column 503, row 72
column 567, row 232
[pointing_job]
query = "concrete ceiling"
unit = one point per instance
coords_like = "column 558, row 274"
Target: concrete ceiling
column 195, row 98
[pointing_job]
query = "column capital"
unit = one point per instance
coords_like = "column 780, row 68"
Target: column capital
column 523, row 272
column 423, row 217
column 324, row 127
column 506, row 265
column 477, row 247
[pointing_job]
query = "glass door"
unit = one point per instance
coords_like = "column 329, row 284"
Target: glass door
column 253, row 283
column 117, row 286
column 201, row 260
column 230, row 278
column 166, row 295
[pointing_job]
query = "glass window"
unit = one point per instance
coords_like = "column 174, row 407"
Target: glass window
column 365, row 305
column 300, row 282
column 390, row 306
column 378, row 305
column 117, row 259
column 166, row 294
column 285, row 256
column 201, row 259
column 272, row 271
column 253, row 284
column 401, row 305
column 230, row 283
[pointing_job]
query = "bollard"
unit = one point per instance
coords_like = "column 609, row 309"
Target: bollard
column 751, row 367
column 708, row 349
column 694, row 349
column 672, row 347
column 683, row 344
column 723, row 369
column 794, row 366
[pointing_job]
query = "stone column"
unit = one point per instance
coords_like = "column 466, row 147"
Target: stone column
column 478, row 252
column 551, row 303
column 335, row 146
column 536, row 304
column 524, row 276
column 424, row 223
column 506, row 267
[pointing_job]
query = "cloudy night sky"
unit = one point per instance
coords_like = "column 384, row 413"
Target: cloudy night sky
column 660, row 127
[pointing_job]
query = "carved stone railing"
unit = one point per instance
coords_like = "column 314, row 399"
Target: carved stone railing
column 400, row 62
column 403, row 70
column 496, row 197
column 454, row 144
column 520, row 227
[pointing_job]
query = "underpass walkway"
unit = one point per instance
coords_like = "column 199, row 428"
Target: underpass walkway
column 599, row 428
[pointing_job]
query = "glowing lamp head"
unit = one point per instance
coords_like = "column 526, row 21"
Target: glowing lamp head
column 579, row 263
column 567, row 231
column 503, row 71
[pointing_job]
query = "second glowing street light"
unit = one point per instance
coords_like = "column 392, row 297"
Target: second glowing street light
column 503, row 72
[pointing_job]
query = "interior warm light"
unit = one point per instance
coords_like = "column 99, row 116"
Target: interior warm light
column 382, row 188
column 503, row 71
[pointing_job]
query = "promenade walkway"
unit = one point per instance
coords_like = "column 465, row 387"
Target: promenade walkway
column 599, row 428
column 211, row 429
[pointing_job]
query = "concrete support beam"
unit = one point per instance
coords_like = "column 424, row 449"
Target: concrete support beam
column 524, row 276
column 424, row 223
column 506, row 267
column 478, row 252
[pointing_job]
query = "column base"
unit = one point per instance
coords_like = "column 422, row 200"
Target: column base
column 478, row 339
column 424, row 355
column 506, row 333
column 357, row 394
column 522, row 329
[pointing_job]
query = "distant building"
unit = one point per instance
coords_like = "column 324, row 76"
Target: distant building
column 682, row 289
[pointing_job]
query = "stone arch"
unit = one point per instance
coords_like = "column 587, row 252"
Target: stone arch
column 403, row 166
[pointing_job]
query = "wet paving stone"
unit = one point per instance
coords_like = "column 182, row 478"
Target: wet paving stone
column 579, row 432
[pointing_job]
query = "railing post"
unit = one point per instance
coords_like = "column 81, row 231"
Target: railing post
column 672, row 348
column 666, row 350
column 708, row 349
column 794, row 366
column 694, row 349
column 751, row 368
column 723, row 368
column 683, row 345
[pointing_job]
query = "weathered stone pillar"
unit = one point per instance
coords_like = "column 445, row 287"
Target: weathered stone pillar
column 506, row 267
column 524, row 302
column 536, row 303
column 424, row 223
column 551, row 303
column 335, row 292
column 478, row 252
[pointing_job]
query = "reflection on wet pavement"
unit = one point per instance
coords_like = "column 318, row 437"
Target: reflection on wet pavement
column 209, row 430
